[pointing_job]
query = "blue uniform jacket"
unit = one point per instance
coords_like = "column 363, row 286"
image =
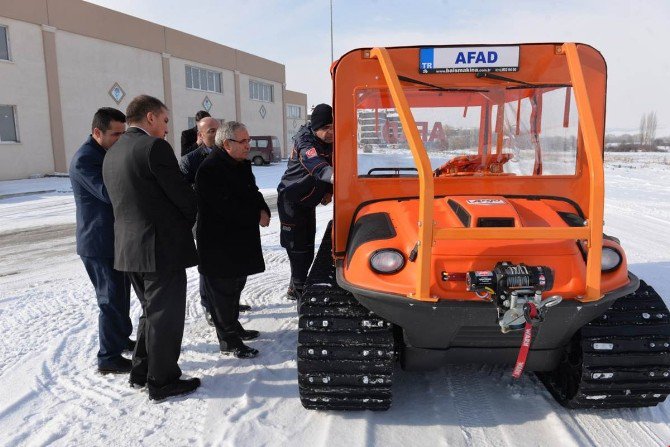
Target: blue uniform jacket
column 308, row 171
column 95, row 217
column 189, row 163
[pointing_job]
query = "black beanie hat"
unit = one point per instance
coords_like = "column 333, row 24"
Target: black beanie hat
column 322, row 115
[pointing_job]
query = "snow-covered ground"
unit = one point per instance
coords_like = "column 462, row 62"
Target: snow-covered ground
column 50, row 393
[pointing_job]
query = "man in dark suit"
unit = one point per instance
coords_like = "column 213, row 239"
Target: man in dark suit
column 230, row 209
column 95, row 240
column 189, row 138
column 155, row 210
column 189, row 164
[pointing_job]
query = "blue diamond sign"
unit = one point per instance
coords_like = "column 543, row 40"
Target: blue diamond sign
column 263, row 112
column 117, row 93
column 207, row 103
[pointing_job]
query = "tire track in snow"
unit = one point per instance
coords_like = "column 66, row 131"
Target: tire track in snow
column 474, row 408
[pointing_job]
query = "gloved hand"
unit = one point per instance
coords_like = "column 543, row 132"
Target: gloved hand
column 327, row 199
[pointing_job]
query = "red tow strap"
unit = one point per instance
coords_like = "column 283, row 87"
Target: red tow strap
column 525, row 344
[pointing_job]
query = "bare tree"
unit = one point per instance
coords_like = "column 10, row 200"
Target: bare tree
column 651, row 128
column 648, row 124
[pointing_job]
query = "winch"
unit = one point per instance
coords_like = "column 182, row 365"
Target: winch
column 516, row 290
column 513, row 288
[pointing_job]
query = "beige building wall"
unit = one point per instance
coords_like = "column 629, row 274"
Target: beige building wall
column 23, row 84
column 186, row 102
column 67, row 55
column 293, row 124
column 87, row 70
column 251, row 110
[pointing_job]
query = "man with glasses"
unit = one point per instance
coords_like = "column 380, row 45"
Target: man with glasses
column 189, row 164
column 230, row 209
column 308, row 181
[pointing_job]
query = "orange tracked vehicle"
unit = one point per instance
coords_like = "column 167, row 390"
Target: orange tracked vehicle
column 468, row 228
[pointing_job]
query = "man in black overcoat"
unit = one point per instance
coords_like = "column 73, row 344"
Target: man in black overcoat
column 189, row 165
column 190, row 139
column 95, row 240
column 230, row 209
column 154, row 210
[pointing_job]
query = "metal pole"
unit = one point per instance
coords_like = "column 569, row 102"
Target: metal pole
column 331, row 31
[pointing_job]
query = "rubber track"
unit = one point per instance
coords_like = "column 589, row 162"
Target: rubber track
column 619, row 360
column 345, row 352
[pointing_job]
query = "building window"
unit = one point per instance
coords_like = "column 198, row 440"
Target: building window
column 261, row 91
column 293, row 111
column 4, row 44
column 8, row 131
column 202, row 79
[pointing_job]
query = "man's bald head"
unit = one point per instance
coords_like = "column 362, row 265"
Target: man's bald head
column 207, row 130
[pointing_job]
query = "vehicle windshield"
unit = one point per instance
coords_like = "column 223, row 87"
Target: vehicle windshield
column 525, row 131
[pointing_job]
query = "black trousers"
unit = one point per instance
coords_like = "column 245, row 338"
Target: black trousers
column 204, row 302
column 223, row 295
column 112, row 290
column 161, row 326
column 298, row 228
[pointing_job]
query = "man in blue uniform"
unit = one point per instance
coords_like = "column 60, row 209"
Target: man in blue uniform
column 95, row 240
column 308, row 181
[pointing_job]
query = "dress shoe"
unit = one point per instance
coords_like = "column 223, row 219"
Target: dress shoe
column 247, row 334
column 245, row 308
column 130, row 346
column 234, row 346
column 177, row 388
column 208, row 317
column 137, row 380
column 119, row 365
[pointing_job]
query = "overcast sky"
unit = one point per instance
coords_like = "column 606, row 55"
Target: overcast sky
column 632, row 35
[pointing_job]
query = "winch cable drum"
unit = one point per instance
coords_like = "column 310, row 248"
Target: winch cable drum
column 516, row 290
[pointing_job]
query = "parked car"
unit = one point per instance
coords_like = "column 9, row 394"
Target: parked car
column 265, row 149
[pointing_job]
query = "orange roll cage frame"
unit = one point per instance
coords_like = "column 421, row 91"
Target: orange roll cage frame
column 429, row 232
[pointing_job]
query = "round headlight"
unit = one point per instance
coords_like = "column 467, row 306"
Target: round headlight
column 610, row 260
column 387, row 261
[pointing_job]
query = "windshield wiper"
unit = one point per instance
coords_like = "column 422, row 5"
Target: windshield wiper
column 485, row 74
column 522, row 84
column 437, row 87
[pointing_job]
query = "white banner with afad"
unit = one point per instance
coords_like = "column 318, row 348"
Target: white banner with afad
column 468, row 59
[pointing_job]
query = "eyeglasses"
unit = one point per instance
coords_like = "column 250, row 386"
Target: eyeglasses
column 245, row 141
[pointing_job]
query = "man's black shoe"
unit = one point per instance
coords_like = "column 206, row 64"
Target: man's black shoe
column 137, row 380
column 245, row 308
column 118, row 365
column 233, row 345
column 130, row 345
column 177, row 388
column 241, row 352
column 208, row 317
column 247, row 334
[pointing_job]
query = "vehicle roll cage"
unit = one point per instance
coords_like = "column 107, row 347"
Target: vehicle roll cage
column 429, row 232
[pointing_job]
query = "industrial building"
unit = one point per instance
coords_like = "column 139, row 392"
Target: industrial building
column 61, row 60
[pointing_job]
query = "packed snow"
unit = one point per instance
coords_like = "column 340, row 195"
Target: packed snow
column 51, row 393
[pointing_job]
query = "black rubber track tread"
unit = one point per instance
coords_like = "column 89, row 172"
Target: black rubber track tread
column 372, row 339
column 619, row 360
column 330, row 403
column 345, row 352
column 321, row 352
column 316, row 380
column 344, row 323
column 311, row 310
